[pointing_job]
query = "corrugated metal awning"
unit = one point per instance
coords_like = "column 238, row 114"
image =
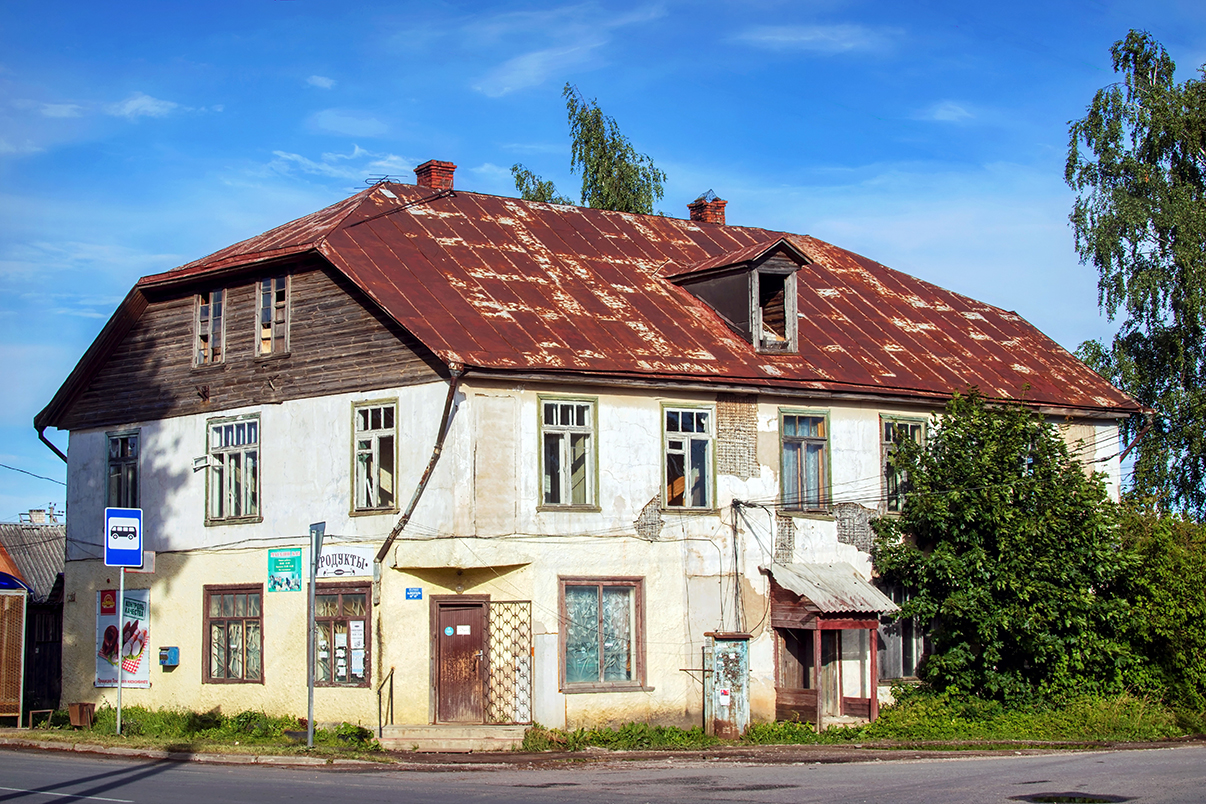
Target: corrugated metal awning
column 832, row 588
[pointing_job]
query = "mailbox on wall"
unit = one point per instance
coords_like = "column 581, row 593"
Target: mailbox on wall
column 169, row 657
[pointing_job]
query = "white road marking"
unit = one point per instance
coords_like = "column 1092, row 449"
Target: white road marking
column 68, row 795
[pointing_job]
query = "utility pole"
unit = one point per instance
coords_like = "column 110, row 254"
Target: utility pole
column 317, row 530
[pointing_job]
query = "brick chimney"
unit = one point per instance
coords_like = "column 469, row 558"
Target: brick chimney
column 708, row 208
column 435, row 174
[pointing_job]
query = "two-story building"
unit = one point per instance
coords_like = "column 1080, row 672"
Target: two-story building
column 618, row 436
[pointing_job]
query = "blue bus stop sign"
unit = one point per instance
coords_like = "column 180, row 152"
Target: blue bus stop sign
column 123, row 537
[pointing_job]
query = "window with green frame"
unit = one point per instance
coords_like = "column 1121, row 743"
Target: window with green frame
column 688, row 455
column 567, row 435
column 896, row 481
column 805, row 453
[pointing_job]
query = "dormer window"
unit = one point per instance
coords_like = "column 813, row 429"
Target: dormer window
column 774, row 312
column 753, row 290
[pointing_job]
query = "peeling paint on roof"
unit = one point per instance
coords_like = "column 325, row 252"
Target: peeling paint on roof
column 500, row 283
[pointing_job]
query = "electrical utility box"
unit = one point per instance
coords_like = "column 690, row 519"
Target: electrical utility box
column 726, row 662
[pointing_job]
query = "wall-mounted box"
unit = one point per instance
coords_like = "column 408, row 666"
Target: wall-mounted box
column 169, row 657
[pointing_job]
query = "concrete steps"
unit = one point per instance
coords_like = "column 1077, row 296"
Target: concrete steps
column 454, row 738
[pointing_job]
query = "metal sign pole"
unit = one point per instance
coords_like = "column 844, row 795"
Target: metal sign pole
column 316, row 533
column 121, row 630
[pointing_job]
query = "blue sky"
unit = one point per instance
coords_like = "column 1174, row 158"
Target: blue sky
column 929, row 136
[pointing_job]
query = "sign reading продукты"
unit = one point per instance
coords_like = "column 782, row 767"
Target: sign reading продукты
column 123, row 537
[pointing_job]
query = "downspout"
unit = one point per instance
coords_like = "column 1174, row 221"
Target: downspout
column 42, row 437
column 457, row 371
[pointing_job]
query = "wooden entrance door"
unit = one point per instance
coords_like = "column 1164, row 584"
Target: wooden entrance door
column 460, row 662
column 831, row 673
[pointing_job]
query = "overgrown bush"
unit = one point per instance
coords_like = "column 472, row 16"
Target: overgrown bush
column 1011, row 555
column 629, row 737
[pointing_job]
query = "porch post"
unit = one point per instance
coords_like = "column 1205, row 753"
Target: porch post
column 816, row 671
column 874, row 688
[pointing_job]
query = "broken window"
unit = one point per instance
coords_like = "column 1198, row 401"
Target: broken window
column 341, row 619
column 775, row 311
column 567, row 455
column 603, row 632
column 234, row 463
column 273, row 316
column 210, row 327
column 688, row 439
column 805, row 461
column 123, row 470
column 234, row 634
column 903, row 640
column 896, row 480
column 375, row 458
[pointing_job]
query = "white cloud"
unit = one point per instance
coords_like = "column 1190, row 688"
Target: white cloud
column 61, row 110
column 341, row 166
column 824, row 39
column 350, row 123
column 945, row 112
column 141, row 105
column 18, row 149
column 575, row 37
column 535, row 68
column 320, row 81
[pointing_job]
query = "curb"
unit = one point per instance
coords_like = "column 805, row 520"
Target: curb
column 164, row 755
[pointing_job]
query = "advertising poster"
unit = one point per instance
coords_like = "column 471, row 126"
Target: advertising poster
column 285, row 569
column 127, row 643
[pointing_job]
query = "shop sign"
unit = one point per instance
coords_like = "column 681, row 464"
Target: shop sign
column 338, row 561
column 285, row 570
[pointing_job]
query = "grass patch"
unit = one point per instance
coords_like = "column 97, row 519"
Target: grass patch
column 180, row 730
column 918, row 717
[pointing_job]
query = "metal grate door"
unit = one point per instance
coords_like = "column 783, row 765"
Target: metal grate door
column 12, row 652
column 509, row 685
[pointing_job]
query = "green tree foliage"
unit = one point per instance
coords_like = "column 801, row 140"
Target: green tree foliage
column 1010, row 553
column 1137, row 161
column 533, row 188
column 1167, row 589
column 614, row 175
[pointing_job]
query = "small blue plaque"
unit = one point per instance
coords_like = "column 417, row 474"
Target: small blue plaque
column 448, row 630
column 414, row 593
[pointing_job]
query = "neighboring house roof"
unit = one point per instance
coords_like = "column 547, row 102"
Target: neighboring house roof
column 37, row 551
column 500, row 284
column 832, row 588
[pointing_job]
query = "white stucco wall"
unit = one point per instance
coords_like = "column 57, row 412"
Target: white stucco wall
column 467, row 532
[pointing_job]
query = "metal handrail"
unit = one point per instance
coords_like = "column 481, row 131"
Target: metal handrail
column 390, row 679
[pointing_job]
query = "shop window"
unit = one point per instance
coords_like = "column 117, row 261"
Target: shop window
column 602, row 645
column 234, row 635
column 342, row 636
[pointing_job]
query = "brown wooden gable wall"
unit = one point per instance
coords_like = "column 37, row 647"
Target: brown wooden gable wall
column 339, row 343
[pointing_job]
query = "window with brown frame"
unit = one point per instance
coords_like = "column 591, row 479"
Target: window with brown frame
column 273, row 326
column 603, row 638
column 234, row 635
column 341, row 649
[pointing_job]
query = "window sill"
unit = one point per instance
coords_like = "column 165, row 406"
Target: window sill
column 241, row 520
column 820, row 516
column 372, row 511
column 273, row 356
column 233, row 681
column 207, row 368
column 689, row 511
column 336, row 685
column 588, row 688
column 568, row 509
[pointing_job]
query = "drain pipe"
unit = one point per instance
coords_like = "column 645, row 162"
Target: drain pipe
column 42, row 437
column 458, row 371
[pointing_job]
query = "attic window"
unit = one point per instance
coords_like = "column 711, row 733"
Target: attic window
column 774, row 295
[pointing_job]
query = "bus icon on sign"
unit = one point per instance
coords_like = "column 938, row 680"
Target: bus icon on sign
column 122, row 532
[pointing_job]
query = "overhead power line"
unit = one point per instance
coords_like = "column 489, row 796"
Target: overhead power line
column 31, row 474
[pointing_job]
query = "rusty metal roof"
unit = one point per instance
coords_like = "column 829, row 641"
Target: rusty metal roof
column 508, row 285
column 832, row 588
column 39, row 552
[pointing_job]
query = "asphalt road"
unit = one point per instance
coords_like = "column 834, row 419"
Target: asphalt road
column 1173, row 775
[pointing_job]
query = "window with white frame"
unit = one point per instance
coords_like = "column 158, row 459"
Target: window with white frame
column 896, row 480
column 123, row 470
column 210, row 328
column 234, row 464
column 375, row 440
column 567, row 433
column 273, row 319
column 805, row 448
column 688, row 456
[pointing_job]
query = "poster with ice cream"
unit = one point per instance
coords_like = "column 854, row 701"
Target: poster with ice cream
column 125, row 642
